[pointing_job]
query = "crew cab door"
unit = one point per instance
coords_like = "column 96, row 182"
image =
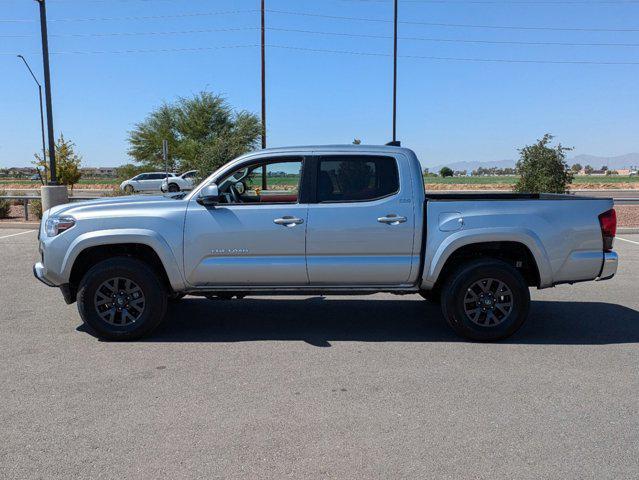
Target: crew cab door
column 255, row 236
column 361, row 225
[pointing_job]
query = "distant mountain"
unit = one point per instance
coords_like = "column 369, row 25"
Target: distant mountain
column 620, row 161
column 595, row 161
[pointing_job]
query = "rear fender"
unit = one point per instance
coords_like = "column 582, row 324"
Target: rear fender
column 504, row 234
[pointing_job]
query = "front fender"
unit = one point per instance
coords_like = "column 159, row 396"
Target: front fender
column 502, row 234
column 146, row 237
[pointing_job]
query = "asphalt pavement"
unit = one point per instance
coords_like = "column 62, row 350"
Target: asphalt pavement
column 312, row 387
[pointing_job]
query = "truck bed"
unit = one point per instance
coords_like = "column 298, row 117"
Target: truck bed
column 506, row 196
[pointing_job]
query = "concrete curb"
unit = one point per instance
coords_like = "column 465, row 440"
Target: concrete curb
column 20, row 225
column 627, row 230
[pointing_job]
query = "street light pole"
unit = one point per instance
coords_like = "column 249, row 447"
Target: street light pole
column 264, row 185
column 263, row 80
column 52, row 194
column 44, row 147
column 47, row 90
column 395, row 75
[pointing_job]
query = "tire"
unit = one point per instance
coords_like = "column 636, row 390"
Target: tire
column 473, row 309
column 129, row 190
column 134, row 320
column 173, row 188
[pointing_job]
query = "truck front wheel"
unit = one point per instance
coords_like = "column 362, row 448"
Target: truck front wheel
column 485, row 300
column 121, row 298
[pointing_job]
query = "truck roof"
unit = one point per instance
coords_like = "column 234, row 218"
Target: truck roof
column 354, row 148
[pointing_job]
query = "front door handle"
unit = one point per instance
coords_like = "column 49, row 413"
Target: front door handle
column 288, row 221
column 391, row 219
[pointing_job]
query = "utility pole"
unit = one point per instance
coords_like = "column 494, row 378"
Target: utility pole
column 395, row 75
column 52, row 194
column 44, row 147
column 263, row 93
column 165, row 157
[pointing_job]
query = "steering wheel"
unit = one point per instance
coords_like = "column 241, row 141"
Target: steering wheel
column 234, row 195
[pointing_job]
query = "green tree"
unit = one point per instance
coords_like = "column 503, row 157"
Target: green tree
column 576, row 167
column 542, row 168
column 203, row 133
column 588, row 169
column 67, row 163
column 128, row 170
column 446, row 172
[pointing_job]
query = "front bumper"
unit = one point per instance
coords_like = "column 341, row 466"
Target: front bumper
column 38, row 272
column 609, row 267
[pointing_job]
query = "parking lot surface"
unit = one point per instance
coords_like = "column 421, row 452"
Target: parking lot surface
column 314, row 387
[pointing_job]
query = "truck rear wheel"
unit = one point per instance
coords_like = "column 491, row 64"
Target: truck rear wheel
column 485, row 300
column 121, row 299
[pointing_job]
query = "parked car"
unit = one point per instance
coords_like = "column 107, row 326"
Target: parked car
column 354, row 219
column 145, row 182
column 179, row 183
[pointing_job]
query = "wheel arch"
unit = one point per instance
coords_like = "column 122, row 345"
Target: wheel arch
column 514, row 248
column 148, row 246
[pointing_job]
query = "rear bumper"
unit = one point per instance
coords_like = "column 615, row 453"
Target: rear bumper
column 609, row 267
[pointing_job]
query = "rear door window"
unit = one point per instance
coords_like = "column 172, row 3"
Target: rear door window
column 356, row 178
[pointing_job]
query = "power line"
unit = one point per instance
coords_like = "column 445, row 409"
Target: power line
column 339, row 34
column 144, row 17
column 143, row 50
column 334, row 17
column 458, row 59
column 455, row 25
column 118, row 34
column 559, row 3
column 342, row 52
column 454, row 40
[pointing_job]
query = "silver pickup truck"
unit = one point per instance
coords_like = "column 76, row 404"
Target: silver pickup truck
column 322, row 220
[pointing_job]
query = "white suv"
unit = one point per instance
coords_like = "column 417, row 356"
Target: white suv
column 179, row 183
column 145, row 182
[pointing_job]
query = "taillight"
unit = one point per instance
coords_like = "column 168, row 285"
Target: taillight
column 608, row 224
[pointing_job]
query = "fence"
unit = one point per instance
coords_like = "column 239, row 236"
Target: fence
column 26, row 199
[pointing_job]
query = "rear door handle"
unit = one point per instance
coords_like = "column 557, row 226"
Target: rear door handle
column 288, row 221
column 391, row 219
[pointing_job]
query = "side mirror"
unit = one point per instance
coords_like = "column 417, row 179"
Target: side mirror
column 209, row 196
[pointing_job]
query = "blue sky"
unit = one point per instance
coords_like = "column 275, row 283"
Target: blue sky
column 448, row 110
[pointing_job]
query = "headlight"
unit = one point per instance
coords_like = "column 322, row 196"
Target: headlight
column 57, row 225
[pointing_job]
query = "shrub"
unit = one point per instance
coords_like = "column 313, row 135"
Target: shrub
column 35, row 208
column 117, row 192
column 542, row 168
column 5, row 206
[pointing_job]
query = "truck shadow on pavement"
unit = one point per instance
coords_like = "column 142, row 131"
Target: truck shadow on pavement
column 319, row 321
